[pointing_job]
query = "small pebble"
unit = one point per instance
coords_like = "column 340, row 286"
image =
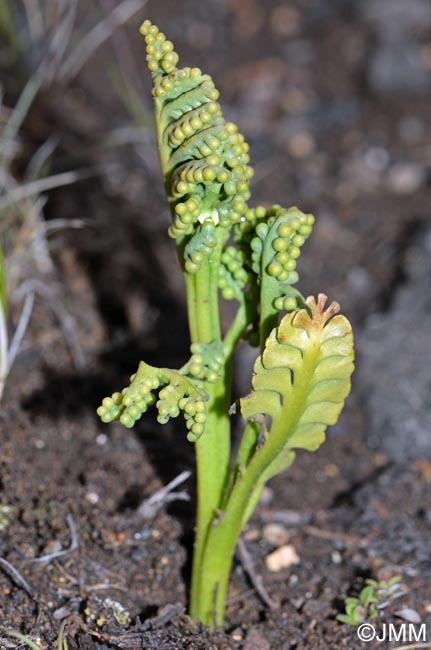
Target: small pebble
column 298, row 603
column 283, row 557
column 255, row 641
column 409, row 615
column 411, row 129
column 301, row 144
column 92, row 497
column 376, row 158
column 237, row 634
column 275, row 534
column 405, row 178
column 331, row 470
column 61, row 613
column 138, row 554
column 252, row 535
column 52, row 548
column 267, row 496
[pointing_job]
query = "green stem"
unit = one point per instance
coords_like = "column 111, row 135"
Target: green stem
column 213, row 448
column 221, row 541
column 220, row 544
column 236, row 330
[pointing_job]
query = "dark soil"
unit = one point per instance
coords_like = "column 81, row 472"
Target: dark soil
column 331, row 135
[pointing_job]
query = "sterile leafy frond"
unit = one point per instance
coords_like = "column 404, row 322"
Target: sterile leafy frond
column 175, row 393
column 303, row 376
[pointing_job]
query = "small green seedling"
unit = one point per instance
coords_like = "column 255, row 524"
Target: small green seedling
column 372, row 599
column 232, row 251
column 23, row 639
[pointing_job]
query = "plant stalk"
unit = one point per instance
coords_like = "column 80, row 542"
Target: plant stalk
column 213, row 447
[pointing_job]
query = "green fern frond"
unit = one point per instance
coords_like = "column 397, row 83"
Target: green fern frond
column 176, row 393
column 204, row 158
column 233, row 276
column 302, row 378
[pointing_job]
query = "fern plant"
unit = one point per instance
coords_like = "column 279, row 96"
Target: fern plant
column 232, row 251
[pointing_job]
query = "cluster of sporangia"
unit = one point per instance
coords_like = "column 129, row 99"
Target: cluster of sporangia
column 205, row 165
column 176, row 393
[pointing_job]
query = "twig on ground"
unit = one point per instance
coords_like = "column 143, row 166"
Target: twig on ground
column 151, row 506
column 72, row 547
column 255, row 579
column 106, row 585
column 17, row 578
column 165, row 615
column 289, row 518
column 333, row 536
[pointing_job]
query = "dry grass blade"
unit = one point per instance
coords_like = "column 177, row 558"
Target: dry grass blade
column 34, row 19
column 40, row 157
column 149, row 508
column 66, row 321
column 24, row 102
column 61, row 37
column 42, row 185
column 13, row 573
column 20, row 331
column 97, row 36
column 61, row 224
column 255, row 579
